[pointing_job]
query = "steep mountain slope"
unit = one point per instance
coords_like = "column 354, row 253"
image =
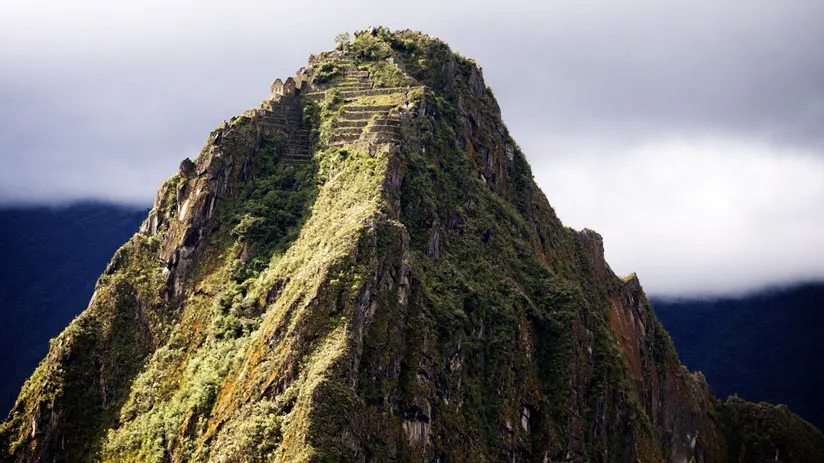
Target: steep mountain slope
column 362, row 269
column 51, row 258
column 765, row 346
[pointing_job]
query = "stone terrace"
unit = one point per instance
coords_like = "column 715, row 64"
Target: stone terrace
column 361, row 121
column 284, row 116
column 368, row 115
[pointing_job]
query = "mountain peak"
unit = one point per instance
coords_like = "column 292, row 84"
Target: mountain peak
column 362, row 269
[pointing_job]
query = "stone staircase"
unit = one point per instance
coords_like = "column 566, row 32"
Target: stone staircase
column 376, row 123
column 366, row 116
column 359, row 122
column 296, row 147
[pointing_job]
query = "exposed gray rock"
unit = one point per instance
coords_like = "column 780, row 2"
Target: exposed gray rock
column 433, row 250
column 187, row 168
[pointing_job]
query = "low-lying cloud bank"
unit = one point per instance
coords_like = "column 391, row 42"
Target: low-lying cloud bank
column 697, row 215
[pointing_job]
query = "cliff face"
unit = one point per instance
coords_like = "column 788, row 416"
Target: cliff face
column 362, row 269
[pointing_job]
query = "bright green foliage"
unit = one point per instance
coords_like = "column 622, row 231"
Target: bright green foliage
column 341, row 40
column 326, row 72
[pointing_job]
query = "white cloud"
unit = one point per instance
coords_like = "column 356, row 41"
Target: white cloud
column 697, row 214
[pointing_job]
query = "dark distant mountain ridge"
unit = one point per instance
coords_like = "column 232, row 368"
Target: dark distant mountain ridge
column 51, row 258
column 764, row 347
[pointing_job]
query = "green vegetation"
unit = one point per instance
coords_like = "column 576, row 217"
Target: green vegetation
column 326, row 72
column 764, row 433
column 270, row 208
column 378, row 100
column 341, row 40
column 178, row 388
column 372, row 52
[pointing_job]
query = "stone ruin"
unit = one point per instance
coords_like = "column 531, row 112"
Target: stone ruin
column 281, row 89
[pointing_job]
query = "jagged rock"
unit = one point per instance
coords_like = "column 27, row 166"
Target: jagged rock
column 187, row 167
column 476, row 82
column 433, row 250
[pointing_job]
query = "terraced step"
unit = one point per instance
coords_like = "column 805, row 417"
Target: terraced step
column 373, row 92
column 348, row 131
column 315, row 96
column 367, row 109
column 282, row 102
column 354, row 91
column 349, row 91
column 359, row 116
column 281, row 113
column 351, row 99
column 283, row 105
column 301, row 155
column 281, row 120
column 381, row 134
column 387, row 121
column 296, row 148
column 385, row 129
column 296, row 162
column 356, row 123
column 350, row 75
column 384, row 138
column 392, row 122
column 343, row 139
column 354, row 87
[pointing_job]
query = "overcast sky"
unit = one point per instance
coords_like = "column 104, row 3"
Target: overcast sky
column 689, row 134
